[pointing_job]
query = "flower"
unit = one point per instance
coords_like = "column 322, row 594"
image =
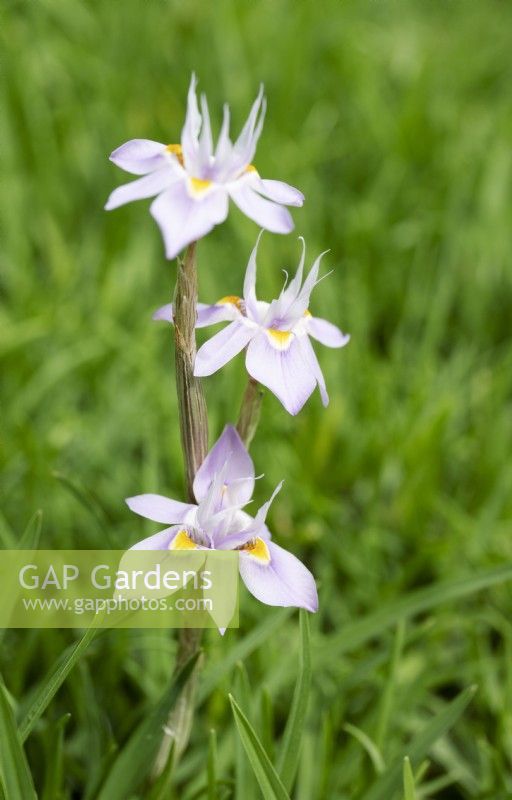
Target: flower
column 279, row 353
column 192, row 182
column 223, row 485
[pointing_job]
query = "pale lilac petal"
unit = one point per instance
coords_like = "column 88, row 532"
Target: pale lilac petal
column 310, row 356
column 221, row 348
column 205, row 139
column 230, row 453
column 267, row 214
column 206, row 314
column 286, row 373
column 327, row 333
column 184, row 219
column 164, row 313
column 253, row 528
column 219, row 312
column 158, row 541
column 300, row 305
column 281, row 192
column 250, row 283
column 224, row 145
column 139, row 156
column 148, row 186
column 191, row 128
column 245, row 145
column 285, row 581
column 159, row 508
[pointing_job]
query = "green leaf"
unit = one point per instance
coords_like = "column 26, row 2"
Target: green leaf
column 290, row 750
column 409, row 791
column 161, row 789
column 54, row 745
column 370, row 747
column 355, row 633
column 212, row 766
column 32, row 534
column 14, row 770
column 136, row 759
column 390, row 781
column 49, row 687
column 213, row 675
column 268, row 779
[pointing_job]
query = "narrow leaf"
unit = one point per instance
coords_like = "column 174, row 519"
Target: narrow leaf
column 269, row 781
column 370, row 747
column 136, row 759
column 409, row 791
column 290, row 750
column 54, row 760
column 14, row 770
column 390, row 781
column 49, row 687
column 212, row 766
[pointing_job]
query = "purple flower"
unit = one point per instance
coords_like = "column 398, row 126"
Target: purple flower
column 193, row 181
column 222, row 487
column 279, row 353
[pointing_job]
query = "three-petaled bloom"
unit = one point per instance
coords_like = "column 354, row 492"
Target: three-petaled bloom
column 279, row 353
column 193, row 182
column 223, row 485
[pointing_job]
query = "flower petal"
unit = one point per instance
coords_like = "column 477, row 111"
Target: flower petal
column 139, row 156
column 327, row 333
column 191, row 128
column 315, row 367
column 229, row 453
column 281, row 192
column 284, row 581
column 158, row 541
column 245, row 146
column 267, row 214
column 287, row 373
column 221, row 348
column 206, row 315
column 159, row 508
column 148, row 186
column 184, row 219
column 251, row 301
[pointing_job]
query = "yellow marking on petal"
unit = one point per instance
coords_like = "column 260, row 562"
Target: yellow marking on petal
column 258, row 549
column 177, row 151
column 279, row 339
column 251, row 168
column 182, row 541
column 232, row 299
column 199, row 185
column 307, row 313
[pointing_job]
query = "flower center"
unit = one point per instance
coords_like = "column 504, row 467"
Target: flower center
column 183, row 541
column 234, row 300
column 258, row 549
column 176, row 150
column 281, row 340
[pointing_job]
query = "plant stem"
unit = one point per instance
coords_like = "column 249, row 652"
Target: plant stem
column 250, row 410
column 191, row 402
column 194, row 441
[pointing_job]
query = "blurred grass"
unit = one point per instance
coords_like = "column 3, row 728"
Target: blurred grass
column 395, row 120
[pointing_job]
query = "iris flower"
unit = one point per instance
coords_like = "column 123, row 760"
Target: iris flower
column 223, row 485
column 193, row 181
column 279, row 353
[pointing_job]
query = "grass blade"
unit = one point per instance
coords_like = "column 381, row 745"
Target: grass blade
column 54, row 746
column 212, row 766
column 355, row 633
column 268, row 779
column 52, row 683
column 408, row 777
column 369, row 746
column 290, row 750
column 389, row 782
column 136, row 759
column 14, row 770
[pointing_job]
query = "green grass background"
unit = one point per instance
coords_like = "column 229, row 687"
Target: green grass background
column 395, row 120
